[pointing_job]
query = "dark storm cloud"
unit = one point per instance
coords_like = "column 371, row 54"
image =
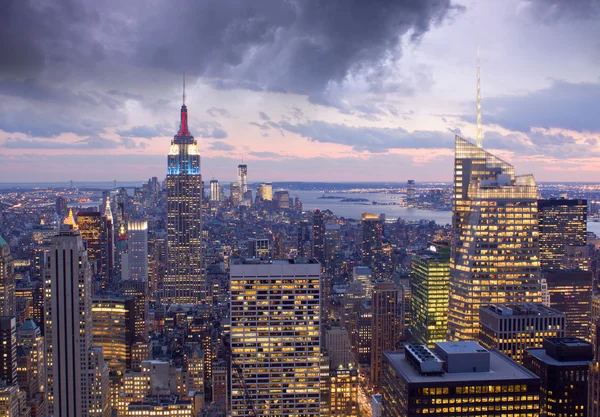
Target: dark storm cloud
column 564, row 105
column 369, row 139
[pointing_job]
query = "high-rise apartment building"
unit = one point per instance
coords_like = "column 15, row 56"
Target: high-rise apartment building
column 495, row 252
column 137, row 251
column 242, row 176
column 411, row 195
column 8, row 349
column 372, row 245
column 563, row 224
column 430, row 286
column 184, row 282
column 512, row 329
column 457, row 379
column 571, row 293
column 385, row 325
column 7, row 280
column 563, row 366
column 275, row 337
column 318, row 242
column 74, row 369
column 95, row 229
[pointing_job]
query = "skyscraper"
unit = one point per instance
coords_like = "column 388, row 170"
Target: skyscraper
column 275, row 332
column 71, row 360
column 137, row 257
column 372, row 245
column 563, row 224
column 215, row 190
column 7, row 280
column 318, row 243
column 95, row 231
column 8, row 349
column 385, row 325
column 235, row 192
column 430, row 292
column 184, row 282
column 411, row 194
column 242, row 175
column 31, row 342
column 495, row 252
column 332, row 246
column 303, row 245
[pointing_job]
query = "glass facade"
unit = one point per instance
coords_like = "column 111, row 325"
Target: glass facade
column 495, row 256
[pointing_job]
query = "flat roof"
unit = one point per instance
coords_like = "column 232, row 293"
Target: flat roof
column 464, row 347
column 257, row 261
column 541, row 354
column 521, row 310
column 502, row 368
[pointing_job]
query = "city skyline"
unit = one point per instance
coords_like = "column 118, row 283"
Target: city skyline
column 385, row 110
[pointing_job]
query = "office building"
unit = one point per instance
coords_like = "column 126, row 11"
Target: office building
column 571, row 293
column 337, row 345
column 184, row 282
column 372, row 245
column 512, row 329
column 12, row 401
column 364, row 275
column 303, row 246
column 137, row 244
column 161, row 407
column 139, row 291
column 113, row 321
column 242, row 177
column 266, row 193
column 563, row 366
column 61, row 206
column 275, row 353
column 259, row 248
column 430, row 281
column 332, row 245
column 31, row 365
column 594, row 375
column 495, row 255
column 281, row 200
column 563, row 224
column 95, row 229
column 215, row 191
column 8, row 349
column 7, row 280
column 411, row 195
column 385, row 325
column 318, row 236
column 75, row 371
column 343, row 392
column 457, row 379
column 235, row 193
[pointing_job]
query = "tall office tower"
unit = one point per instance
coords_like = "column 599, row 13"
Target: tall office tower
column 281, row 200
column 242, row 177
column 61, row 206
column 260, row 248
column 411, row 194
column 215, row 191
column 8, row 349
column 364, row 275
column 267, row 191
column 275, row 332
column 430, row 289
column 372, row 246
column 563, row 366
column 563, row 224
column 70, row 359
column 495, row 252
column 184, row 283
column 511, row 329
column 94, row 229
column 571, row 293
column 113, row 321
column 235, row 192
column 137, row 244
column 332, row 246
column 318, row 242
column 7, row 280
column 594, row 376
column 110, row 234
column 457, row 379
column 139, row 291
column 337, row 344
column 31, row 366
column 303, row 242
column 385, row 325
column 121, row 253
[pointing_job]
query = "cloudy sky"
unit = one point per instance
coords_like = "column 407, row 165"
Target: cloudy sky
column 316, row 90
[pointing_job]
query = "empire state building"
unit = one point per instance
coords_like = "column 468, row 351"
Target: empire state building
column 183, row 283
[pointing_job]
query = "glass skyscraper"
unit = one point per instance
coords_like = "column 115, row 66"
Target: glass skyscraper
column 495, row 252
column 184, row 283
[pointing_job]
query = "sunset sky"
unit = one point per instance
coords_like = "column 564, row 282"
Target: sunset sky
column 306, row 90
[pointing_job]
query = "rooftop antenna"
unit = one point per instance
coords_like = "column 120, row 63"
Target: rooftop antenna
column 479, row 133
column 184, row 88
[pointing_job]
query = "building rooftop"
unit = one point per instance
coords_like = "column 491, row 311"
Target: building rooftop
column 464, row 347
column 502, row 368
column 257, row 261
column 542, row 355
column 527, row 309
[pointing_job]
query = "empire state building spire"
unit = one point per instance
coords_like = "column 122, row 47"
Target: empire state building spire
column 183, row 127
